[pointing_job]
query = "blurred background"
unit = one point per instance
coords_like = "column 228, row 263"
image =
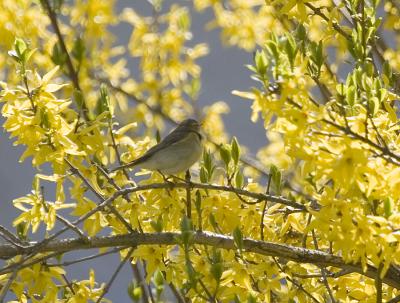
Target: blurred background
column 223, row 70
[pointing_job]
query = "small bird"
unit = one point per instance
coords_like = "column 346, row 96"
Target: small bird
column 176, row 153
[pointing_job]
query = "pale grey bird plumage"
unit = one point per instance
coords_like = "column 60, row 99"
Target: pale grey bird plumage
column 176, row 153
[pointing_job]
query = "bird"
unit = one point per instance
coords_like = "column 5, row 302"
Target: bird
column 176, row 153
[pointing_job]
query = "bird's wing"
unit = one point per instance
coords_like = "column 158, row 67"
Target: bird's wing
column 170, row 139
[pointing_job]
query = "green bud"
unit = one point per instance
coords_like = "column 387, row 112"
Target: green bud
column 261, row 62
column 134, row 292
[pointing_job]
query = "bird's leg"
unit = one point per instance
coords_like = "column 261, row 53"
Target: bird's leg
column 164, row 177
column 180, row 179
column 168, row 182
column 187, row 176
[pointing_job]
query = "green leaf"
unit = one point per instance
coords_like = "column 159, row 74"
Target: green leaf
column 261, row 62
column 272, row 48
column 213, row 222
column 208, row 164
column 238, row 238
column 58, row 56
column 251, row 299
column 276, row 179
column 191, row 272
column 29, row 54
column 197, row 201
column 217, row 265
column 387, row 73
column 301, row 33
column 187, row 230
column 158, row 225
column 388, row 206
column 239, row 179
column 374, row 105
column 351, row 97
column 291, row 50
column 225, row 154
column 20, row 47
column 103, row 103
column 44, row 118
column 49, row 75
column 158, row 280
column 235, row 150
column 78, row 50
column 203, row 175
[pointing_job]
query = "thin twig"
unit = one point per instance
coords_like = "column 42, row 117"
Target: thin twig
column 142, row 283
column 102, row 199
column 69, row 285
column 121, row 264
column 62, row 219
column 6, row 287
column 67, row 263
column 323, row 270
column 298, row 285
column 10, row 237
column 378, row 284
column 265, row 207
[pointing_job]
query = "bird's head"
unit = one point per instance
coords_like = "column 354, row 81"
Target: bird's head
column 190, row 125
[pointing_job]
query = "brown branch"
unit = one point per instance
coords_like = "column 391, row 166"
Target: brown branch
column 7, row 285
column 71, row 70
column 141, row 282
column 10, row 237
column 378, row 284
column 293, row 253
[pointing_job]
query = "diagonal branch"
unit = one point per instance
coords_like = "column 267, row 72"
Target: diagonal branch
column 73, row 75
